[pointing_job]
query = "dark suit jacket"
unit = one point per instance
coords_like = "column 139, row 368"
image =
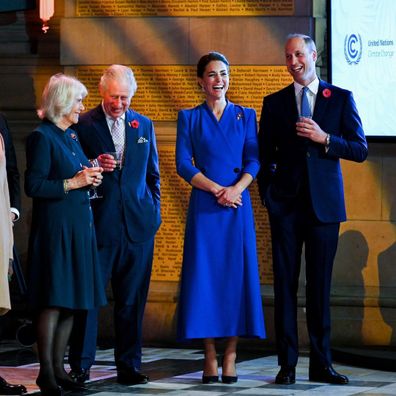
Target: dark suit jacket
column 288, row 160
column 131, row 197
column 11, row 165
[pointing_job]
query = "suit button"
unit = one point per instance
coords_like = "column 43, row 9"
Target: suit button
column 237, row 170
column 308, row 155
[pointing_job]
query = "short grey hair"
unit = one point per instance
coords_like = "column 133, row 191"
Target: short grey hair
column 120, row 73
column 307, row 39
column 59, row 96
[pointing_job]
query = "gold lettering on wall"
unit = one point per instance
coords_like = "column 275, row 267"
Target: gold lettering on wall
column 87, row 8
column 175, row 193
column 164, row 90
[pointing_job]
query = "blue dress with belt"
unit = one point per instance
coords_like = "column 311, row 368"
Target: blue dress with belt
column 62, row 259
column 220, row 287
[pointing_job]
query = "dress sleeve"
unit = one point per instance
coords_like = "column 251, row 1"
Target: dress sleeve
column 250, row 150
column 184, row 148
column 38, row 166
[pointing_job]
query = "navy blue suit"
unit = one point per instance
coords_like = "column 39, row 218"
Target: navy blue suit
column 302, row 188
column 126, row 220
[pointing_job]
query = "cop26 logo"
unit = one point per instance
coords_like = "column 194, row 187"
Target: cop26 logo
column 353, row 48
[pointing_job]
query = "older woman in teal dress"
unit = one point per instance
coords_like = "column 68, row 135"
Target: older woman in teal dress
column 63, row 268
column 217, row 153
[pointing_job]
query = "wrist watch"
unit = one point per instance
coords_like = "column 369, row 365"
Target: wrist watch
column 328, row 140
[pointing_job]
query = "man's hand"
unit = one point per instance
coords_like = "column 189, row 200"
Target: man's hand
column 107, row 162
column 308, row 128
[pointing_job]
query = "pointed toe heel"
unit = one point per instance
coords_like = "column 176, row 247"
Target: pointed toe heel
column 210, row 379
column 228, row 379
column 47, row 390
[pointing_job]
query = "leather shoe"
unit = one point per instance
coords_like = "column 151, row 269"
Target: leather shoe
column 286, row 375
column 10, row 389
column 80, row 376
column 131, row 377
column 327, row 375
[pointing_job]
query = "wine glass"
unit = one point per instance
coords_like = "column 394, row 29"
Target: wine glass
column 93, row 193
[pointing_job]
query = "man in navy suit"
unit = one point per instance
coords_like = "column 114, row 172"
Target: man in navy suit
column 127, row 216
column 301, row 185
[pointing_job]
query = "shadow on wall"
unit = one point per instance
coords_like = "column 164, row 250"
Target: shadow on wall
column 387, row 284
column 348, row 283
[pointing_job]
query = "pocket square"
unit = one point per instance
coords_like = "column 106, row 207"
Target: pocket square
column 142, row 140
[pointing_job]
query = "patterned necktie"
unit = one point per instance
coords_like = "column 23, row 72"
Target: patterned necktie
column 117, row 133
column 305, row 108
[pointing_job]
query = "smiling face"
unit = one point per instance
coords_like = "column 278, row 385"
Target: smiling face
column 215, row 80
column 73, row 116
column 116, row 97
column 300, row 60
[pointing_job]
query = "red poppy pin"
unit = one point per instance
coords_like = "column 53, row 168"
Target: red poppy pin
column 326, row 93
column 134, row 124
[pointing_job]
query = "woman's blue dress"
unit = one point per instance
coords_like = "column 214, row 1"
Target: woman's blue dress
column 220, row 287
column 63, row 266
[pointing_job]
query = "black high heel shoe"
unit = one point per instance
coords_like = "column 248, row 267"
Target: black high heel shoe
column 46, row 390
column 228, row 379
column 69, row 384
column 210, row 379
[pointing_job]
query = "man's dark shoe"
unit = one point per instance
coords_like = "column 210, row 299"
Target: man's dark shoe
column 10, row 389
column 327, row 375
column 286, row 376
column 80, row 376
column 129, row 376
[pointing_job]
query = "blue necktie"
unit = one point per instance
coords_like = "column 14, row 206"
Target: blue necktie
column 305, row 108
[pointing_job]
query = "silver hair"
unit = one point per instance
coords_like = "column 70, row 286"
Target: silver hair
column 59, row 96
column 120, row 73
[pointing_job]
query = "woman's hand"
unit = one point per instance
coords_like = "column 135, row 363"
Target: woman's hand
column 229, row 196
column 86, row 177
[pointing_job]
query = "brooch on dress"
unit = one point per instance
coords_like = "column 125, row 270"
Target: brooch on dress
column 239, row 116
column 74, row 137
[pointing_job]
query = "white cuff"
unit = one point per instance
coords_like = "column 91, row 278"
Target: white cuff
column 16, row 212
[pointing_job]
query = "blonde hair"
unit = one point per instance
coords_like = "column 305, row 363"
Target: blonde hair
column 59, row 96
column 120, row 73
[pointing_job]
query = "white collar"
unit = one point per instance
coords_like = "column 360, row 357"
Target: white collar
column 313, row 86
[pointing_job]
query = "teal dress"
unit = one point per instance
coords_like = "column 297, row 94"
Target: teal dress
column 220, row 287
column 63, row 268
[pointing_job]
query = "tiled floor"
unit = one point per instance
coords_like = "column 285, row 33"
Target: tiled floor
column 177, row 372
